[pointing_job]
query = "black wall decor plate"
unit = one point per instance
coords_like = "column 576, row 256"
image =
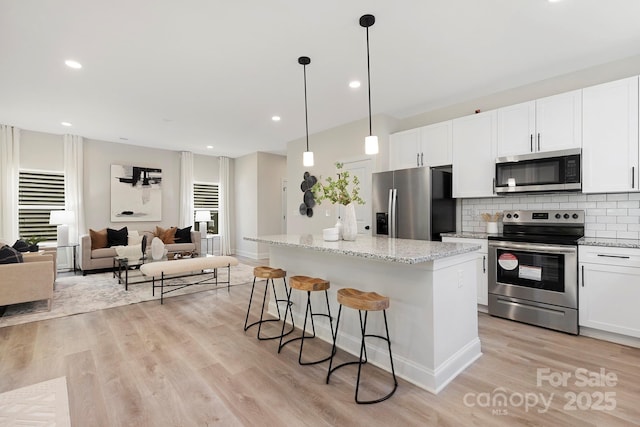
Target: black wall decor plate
column 308, row 201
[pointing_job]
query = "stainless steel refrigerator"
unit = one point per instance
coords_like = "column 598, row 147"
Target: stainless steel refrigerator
column 413, row 203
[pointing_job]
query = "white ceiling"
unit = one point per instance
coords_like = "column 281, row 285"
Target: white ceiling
column 182, row 75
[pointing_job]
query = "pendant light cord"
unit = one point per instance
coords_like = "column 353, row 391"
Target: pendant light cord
column 369, row 82
column 306, row 116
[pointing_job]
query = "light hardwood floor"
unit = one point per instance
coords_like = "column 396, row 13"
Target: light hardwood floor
column 189, row 363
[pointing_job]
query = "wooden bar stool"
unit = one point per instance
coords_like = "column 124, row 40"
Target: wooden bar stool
column 363, row 301
column 269, row 273
column 308, row 284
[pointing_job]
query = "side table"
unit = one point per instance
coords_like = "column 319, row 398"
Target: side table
column 74, row 250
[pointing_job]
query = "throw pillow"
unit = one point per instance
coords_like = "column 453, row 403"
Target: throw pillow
column 117, row 237
column 134, row 238
column 167, row 236
column 21, row 246
column 183, row 235
column 8, row 255
column 98, row 239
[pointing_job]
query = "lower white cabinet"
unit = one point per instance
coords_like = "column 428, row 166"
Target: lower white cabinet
column 609, row 289
column 481, row 265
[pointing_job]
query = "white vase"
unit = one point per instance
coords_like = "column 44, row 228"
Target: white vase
column 157, row 248
column 350, row 226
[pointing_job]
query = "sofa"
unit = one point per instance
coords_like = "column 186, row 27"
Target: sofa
column 101, row 259
column 30, row 280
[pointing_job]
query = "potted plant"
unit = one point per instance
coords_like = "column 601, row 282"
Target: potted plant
column 33, row 241
column 341, row 191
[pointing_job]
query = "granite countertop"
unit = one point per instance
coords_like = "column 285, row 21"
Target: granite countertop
column 466, row 234
column 378, row 248
column 608, row 242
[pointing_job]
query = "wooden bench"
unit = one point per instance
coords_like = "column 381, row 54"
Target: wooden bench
column 187, row 267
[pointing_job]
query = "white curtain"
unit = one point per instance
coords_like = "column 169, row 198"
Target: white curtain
column 74, row 184
column 9, row 174
column 186, row 189
column 224, row 206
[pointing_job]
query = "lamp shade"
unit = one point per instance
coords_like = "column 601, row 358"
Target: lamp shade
column 61, row 217
column 371, row 144
column 203, row 216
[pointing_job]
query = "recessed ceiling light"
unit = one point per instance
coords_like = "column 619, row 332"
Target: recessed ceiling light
column 354, row 84
column 275, row 118
column 67, row 124
column 209, row 147
column 73, row 64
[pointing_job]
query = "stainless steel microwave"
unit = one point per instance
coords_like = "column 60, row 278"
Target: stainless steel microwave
column 539, row 172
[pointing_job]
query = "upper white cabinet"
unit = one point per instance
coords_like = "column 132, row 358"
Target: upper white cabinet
column 474, row 154
column 426, row 146
column 546, row 124
column 610, row 137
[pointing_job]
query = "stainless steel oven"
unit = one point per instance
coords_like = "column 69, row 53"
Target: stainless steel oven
column 533, row 268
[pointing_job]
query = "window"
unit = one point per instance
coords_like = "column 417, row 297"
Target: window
column 205, row 198
column 39, row 192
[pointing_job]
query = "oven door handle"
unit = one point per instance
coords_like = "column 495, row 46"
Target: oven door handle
column 529, row 247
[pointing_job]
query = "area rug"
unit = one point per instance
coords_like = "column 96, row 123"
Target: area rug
column 82, row 294
column 41, row 404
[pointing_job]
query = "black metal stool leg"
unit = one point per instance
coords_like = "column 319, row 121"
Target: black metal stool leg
column 309, row 314
column 333, row 349
column 264, row 300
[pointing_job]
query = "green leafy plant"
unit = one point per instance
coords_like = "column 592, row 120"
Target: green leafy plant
column 34, row 240
column 339, row 190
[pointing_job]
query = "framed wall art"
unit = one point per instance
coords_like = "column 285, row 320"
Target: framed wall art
column 136, row 193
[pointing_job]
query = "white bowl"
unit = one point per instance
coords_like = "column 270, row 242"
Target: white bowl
column 330, row 234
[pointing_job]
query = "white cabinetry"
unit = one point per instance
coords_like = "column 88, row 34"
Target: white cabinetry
column 481, row 266
column 474, row 155
column 609, row 289
column 547, row 124
column 426, row 146
column 610, row 137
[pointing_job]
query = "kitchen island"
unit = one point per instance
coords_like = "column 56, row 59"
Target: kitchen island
column 432, row 289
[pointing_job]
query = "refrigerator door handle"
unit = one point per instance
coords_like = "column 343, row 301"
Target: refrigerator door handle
column 390, row 214
column 394, row 221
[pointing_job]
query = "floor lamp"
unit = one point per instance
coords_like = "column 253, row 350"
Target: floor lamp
column 62, row 219
column 203, row 217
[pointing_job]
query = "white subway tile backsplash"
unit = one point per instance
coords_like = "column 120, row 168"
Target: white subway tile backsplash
column 606, row 234
column 629, row 204
column 617, row 212
column 627, row 235
column 606, row 215
column 606, row 219
column 617, row 197
column 628, row 220
column 607, row 205
column 616, row 227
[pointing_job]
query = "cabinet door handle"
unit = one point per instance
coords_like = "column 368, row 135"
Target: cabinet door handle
column 633, row 177
column 417, row 159
column 484, row 265
column 538, row 141
column 583, row 276
column 531, row 142
column 421, row 159
column 614, row 256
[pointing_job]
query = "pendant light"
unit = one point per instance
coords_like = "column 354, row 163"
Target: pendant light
column 371, row 141
column 307, row 156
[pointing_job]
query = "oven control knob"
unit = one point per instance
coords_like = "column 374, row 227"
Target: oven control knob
column 566, row 216
column 508, row 215
column 558, row 216
column 575, row 216
column 516, row 216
